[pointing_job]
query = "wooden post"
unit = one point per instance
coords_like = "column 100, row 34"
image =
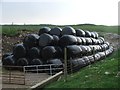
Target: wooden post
column 65, row 64
column 24, row 74
column 71, row 66
column 105, row 53
column 94, row 53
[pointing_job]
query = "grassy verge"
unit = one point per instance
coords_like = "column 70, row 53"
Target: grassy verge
column 12, row 30
column 103, row 74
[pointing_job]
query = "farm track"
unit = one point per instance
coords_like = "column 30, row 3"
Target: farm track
column 30, row 80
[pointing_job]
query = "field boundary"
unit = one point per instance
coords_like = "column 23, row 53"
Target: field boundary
column 47, row 81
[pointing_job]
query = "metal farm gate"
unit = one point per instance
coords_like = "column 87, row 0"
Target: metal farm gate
column 20, row 76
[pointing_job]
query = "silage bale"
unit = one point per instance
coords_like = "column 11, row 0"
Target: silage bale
column 56, row 31
column 87, row 34
column 83, row 41
column 6, row 55
column 19, row 51
column 73, row 51
column 93, row 41
column 55, row 40
column 86, row 59
column 91, row 59
column 102, row 39
column 48, row 52
column 31, row 40
column 84, row 50
column 80, row 33
column 34, row 52
column 68, row 30
column 55, row 61
column 96, row 35
column 36, row 61
column 22, row 62
column 78, row 62
column 45, row 39
column 8, row 61
column 79, row 41
column 44, row 30
column 93, row 35
column 89, row 50
column 57, row 64
column 102, row 55
column 97, row 57
column 67, row 40
column 88, row 41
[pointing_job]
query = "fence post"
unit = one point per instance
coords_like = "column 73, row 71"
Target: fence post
column 65, row 64
column 105, row 53
column 37, row 69
column 50, row 70
column 24, row 73
column 94, row 53
column 71, row 65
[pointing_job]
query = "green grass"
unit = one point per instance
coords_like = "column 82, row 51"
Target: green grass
column 93, row 76
column 12, row 30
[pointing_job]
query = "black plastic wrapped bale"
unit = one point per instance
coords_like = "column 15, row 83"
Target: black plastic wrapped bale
column 87, row 34
column 97, row 57
column 44, row 30
column 36, row 61
column 73, row 51
column 96, row 35
column 45, row 39
column 6, row 55
column 9, row 61
column 91, row 59
column 86, row 59
column 102, row 39
column 57, row 64
column 94, row 42
column 68, row 30
column 83, row 41
column 19, row 51
column 111, row 49
column 93, row 34
column 31, row 40
column 59, row 53
column 48, row 52
column 56, row 31
column 55, row 40
column 89, row 50
column 67, row 40
column 104, row 47
column 77, row 64
column 88, row 41
column 22, row 62
column 80, row 33
column 102, row 55
column 79, row 41
column 34, row 52
column 108, row 44
column 84, row 50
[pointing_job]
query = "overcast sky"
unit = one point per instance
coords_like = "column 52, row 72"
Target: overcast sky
column 59, row 12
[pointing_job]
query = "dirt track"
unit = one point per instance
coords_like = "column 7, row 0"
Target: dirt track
column 30, row 80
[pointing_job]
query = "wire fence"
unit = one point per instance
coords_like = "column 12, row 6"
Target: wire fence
column 69, row 66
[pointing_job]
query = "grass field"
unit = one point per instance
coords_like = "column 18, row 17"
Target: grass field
column 103, row 74
column 12, row 30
